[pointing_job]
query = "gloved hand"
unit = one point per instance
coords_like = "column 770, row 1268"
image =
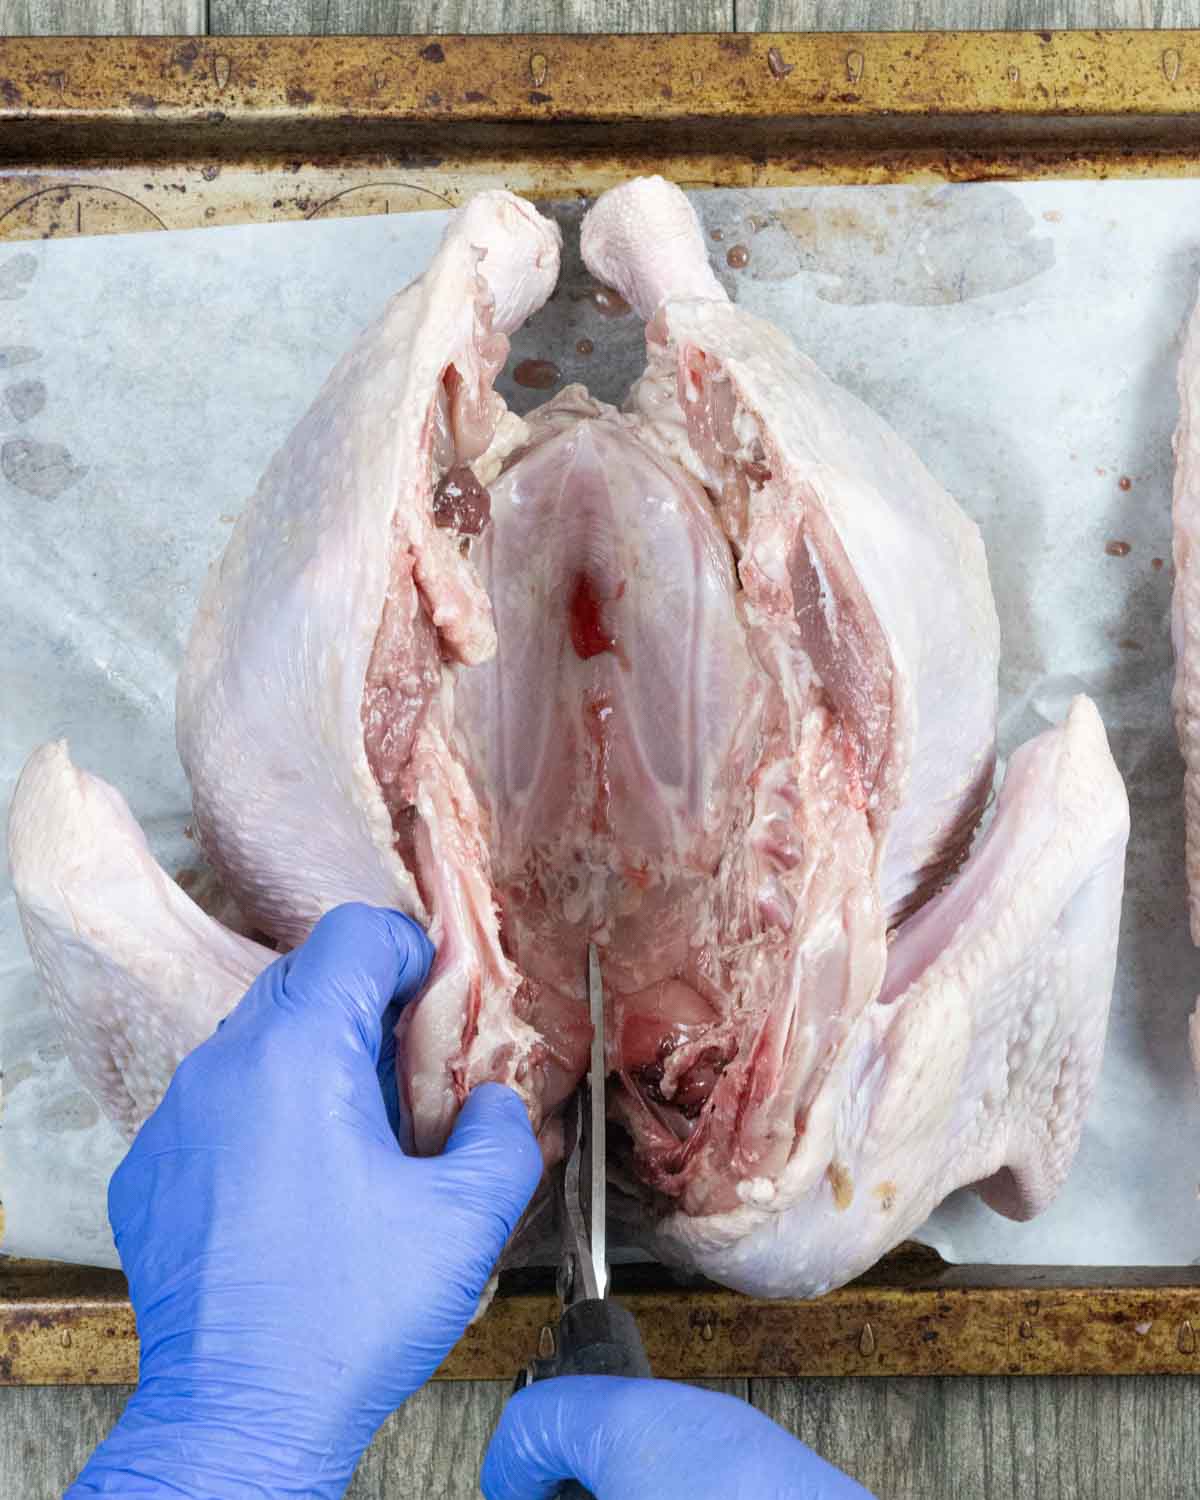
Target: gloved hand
column 295, row 1276
column 649, row 1440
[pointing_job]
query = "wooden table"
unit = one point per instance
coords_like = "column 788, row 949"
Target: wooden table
column 907, row 1439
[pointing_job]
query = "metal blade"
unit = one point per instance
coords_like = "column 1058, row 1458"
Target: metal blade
column 596, row 1134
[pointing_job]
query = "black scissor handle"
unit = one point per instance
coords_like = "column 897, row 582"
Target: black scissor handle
column 595, row 1337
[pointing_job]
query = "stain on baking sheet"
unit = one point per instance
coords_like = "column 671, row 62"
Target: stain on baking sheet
column 919, row 247
column 41, row 469
column 25, row 398
column 16, row 272
column 18, row 354
column 70, row 1113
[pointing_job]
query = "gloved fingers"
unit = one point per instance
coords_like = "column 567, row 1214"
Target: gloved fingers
column 648, row 1440
column 563, row 1429
column 354, row 963
column 385, row 1069
column 319, row 1005
column 491, row 1165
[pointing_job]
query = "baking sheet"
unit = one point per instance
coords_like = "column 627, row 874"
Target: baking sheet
column 1023, row 337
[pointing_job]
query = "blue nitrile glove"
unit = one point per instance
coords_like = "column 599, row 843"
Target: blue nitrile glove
column 295, row 1276
column 649, row 1440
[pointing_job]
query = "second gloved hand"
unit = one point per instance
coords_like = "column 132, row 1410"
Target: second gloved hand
column 295, row 1276
column 649, row 1440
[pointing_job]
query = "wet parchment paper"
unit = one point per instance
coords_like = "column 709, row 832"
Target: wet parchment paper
column 1024, row 338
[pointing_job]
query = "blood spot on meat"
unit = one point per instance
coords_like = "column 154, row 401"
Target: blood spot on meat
column 589, row 634
column 461, row 503
column 757, row 473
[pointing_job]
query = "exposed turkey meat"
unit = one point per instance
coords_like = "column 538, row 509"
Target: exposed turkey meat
column 710, row 681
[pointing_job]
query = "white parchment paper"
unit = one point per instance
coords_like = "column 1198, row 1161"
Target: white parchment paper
column 1024, row 338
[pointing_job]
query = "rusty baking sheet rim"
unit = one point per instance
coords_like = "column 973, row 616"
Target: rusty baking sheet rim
column 128, row 133
column 73, row 1327
column 255, row 129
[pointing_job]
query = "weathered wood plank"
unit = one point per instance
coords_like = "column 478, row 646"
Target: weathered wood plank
column 396, row 17
column 995, row 1439
column 102, row 17
column 968, row 15
column 47, row 1433
column 432, row 1448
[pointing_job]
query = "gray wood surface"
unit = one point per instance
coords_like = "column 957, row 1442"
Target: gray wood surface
column 432, row 1448
column 1045, row 1439
column 1082, row 1438
column 369, row 17
column 966, row 15
column 1048, row 1439
column 102, row 17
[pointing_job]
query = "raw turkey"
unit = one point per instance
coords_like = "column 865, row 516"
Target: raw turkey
column 709, row 680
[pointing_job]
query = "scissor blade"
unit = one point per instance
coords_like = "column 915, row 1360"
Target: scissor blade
column 597, row 1126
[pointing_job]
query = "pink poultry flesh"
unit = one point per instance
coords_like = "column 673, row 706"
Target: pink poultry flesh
column 710, row 681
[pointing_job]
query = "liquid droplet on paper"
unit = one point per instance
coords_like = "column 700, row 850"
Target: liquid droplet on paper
column 1117, row 549
column 610, row 302
column 16, row 274
column 536, row 374
column 18, row 354
column 737, row 256
column 584, row 346
column 41, row 469
column 25, row 399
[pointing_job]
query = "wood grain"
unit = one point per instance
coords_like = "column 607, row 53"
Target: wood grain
column 47, row 1435
column 966, row 15
column 1053, row 1439
column 432, row 1448
column 102, row 17
column 392, row 17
